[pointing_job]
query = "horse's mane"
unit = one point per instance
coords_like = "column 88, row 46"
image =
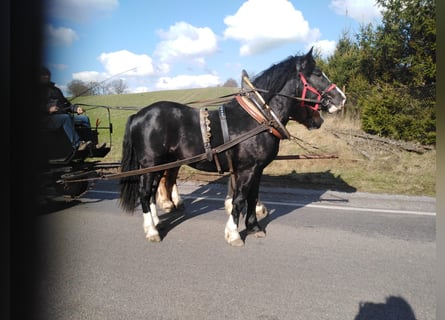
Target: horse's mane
column 275, row 77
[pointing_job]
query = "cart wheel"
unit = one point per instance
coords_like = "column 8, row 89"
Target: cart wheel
column 73, row 189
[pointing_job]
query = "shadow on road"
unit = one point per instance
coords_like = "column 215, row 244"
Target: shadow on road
column 324, row 181
column 55, row 204
column 311, row 188
column 394, row 308
column 313, row 193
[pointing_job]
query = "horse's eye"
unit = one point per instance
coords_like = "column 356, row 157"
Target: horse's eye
column 317, row 72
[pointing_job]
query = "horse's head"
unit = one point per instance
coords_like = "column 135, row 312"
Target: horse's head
column 315, row 93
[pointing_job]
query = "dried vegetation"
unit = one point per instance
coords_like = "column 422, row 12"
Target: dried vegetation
column 340, row 156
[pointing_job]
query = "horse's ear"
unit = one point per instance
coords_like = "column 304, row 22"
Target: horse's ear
column 307, row 63
column 309, row 54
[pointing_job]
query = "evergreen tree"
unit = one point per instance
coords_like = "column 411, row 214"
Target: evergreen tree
column 406, row 42
column 389, row 71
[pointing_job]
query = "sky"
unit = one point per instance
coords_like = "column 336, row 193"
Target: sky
column 157, row 45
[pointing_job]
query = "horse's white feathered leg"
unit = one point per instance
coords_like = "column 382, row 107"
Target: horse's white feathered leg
column 151, row 233
column 154, row 214
column 163, row 200
column 231, row 233
column 260, row 209
column 175, row 197
column 228, row 205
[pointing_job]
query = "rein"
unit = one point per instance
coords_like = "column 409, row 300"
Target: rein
column 178, row 163
column 254, row 104
column 215, row 101
column 273, row 125
column 253, row 89
column 229, row 97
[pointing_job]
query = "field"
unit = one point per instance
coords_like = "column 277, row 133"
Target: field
column 358, row 162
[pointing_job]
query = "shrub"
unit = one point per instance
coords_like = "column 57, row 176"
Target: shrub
column 398, row 114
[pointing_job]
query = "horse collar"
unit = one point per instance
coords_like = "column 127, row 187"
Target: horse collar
column 257, row 113
column 253, row 103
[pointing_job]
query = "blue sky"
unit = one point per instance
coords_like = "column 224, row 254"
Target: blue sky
column 171, row 44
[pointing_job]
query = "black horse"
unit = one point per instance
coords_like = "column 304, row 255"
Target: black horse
column 168, row 131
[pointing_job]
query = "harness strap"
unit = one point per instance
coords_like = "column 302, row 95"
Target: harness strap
column 226, row 137
column 224, row 127
column 265, row 112
column 205, row 131
column 255, row 113
column 190, row 160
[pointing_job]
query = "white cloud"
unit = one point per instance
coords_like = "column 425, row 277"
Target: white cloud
column 363, row 11
column 325, row 47
column 260, row 25
column 60, row 36
column 124, row 61
column 76, row 10
column 183, row 41
column 89, row 76
column 187, row 81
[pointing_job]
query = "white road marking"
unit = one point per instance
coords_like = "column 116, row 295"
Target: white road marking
column 296, row 204
column 311, row 205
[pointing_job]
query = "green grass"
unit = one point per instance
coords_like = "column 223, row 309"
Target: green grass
column 384, row 171
column 138, row 100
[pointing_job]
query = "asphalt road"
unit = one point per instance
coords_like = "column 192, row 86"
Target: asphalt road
column 327, row 255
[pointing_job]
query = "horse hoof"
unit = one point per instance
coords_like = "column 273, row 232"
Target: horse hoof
column 154, row 238
column 168, row 208
column 233, row 239
column 237, row 243
column 259, row 234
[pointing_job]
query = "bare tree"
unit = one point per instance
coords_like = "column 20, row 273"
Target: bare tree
column 78, row 88
column 117, row 86
column 231, row 83
column 95, row 88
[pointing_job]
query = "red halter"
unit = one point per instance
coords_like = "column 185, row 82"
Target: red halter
column 307, row 86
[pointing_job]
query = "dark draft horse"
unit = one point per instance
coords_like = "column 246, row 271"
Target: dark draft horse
column 167, row 131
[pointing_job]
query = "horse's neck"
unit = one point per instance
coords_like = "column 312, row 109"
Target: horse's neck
column 283, row 102
column 281, row 105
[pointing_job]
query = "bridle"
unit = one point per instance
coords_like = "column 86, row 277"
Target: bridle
column 322, row 97
column 259, row 109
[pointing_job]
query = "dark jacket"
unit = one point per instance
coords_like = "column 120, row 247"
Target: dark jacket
column 53, row 95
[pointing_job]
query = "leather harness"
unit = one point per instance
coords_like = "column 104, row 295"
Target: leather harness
column 253, row 103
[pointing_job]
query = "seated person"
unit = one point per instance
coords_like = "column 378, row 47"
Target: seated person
column 57, row 109
column 56, row 118
column 81, row 119
column 83, row 126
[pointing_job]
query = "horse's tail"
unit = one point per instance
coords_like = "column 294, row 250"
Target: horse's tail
column 129, row 186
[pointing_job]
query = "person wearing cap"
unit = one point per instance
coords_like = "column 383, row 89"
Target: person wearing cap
column 57, row 108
